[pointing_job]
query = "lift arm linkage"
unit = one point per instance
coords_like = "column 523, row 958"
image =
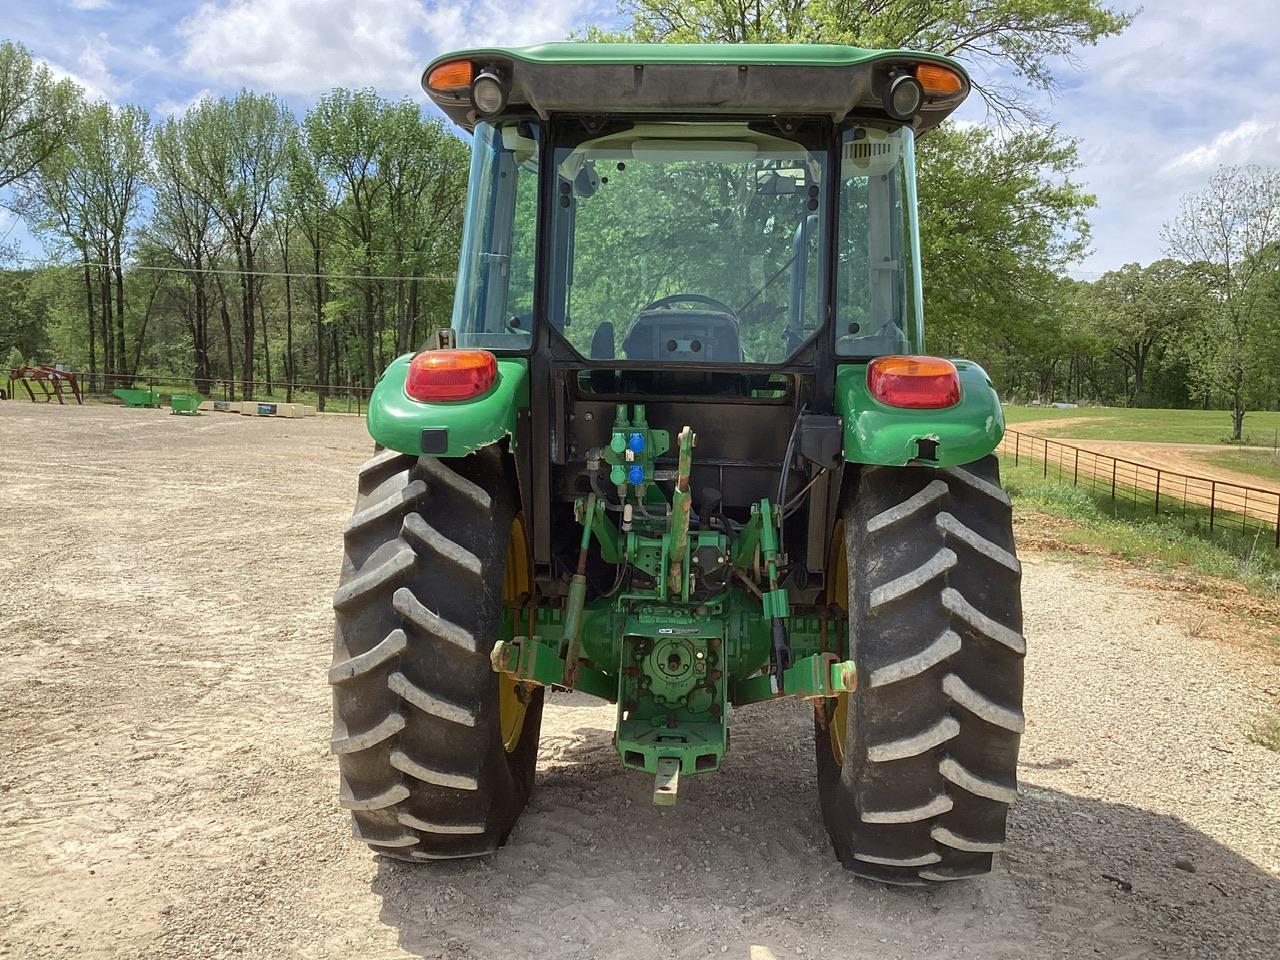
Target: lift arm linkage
column 698, row 620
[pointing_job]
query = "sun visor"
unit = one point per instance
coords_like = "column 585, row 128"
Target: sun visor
column 873, row 154
column 670, row 151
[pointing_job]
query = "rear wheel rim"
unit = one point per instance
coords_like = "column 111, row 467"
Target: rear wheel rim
column 515, row 587
column 838, row 595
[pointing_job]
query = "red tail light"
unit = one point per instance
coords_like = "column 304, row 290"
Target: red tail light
column 918, row 383
column 450, row 374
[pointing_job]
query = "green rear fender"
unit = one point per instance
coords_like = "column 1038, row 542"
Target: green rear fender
column 890, row 436
column 397, row 421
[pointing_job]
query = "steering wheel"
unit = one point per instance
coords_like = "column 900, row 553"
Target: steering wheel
column 689, row 298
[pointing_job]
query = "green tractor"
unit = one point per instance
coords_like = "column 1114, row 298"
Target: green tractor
column 679, row 450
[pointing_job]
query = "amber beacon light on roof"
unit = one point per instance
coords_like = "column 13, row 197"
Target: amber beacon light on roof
column 459, row 80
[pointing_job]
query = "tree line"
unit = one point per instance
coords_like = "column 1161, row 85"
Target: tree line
column 1199, row 328
column 306, row 249
column 234, row 242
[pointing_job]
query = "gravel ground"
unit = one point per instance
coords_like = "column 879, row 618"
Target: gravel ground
column 165, row 788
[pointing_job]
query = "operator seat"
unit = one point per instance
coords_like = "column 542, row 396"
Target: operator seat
column 887, row 340
column 706, row 334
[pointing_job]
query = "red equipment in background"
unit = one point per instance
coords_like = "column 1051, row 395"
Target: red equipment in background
column 46, row 377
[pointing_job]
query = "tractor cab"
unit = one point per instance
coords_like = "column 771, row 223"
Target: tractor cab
column 673, row 239
column 689, row 225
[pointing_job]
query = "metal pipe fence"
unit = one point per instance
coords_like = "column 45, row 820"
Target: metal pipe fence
column 1139, row 489
column 338, row 398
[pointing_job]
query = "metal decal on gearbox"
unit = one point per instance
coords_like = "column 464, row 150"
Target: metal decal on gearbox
column 679, row 631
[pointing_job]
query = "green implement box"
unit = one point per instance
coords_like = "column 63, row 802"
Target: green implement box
column 137, row 398
column 186, row 405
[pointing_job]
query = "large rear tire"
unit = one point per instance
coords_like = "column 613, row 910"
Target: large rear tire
column 917, row 767
column 436, row 757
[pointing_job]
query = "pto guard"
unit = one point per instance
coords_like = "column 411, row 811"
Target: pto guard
column 875, row 433
column 455, row 428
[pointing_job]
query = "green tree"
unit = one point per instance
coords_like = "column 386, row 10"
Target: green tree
column 89, row 193
column 238, row 157
column 1142, row 310
column 424, row 168
column 115, row 143
column 1267, row 389
column 1000, row 218
column 183, row 227
column 1230, row 231
column 35, row 113
column 1020, row 38
column 21, row 322
column 284, row 229
column 311, row 199
column 14, row 361
column 343, row 132
column 56, row 203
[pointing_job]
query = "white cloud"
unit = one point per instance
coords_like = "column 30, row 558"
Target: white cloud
column 176, row 108
column 485, row 23
column 305, row 47
column 1188, row 87
column 1253, row 141
column 91, row 72
column 91, row 4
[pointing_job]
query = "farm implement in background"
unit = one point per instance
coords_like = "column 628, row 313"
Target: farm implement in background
column 52, row 381
column 134, row 397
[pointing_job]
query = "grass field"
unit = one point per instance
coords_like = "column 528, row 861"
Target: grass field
column 1259, row 463
column 1151, row 425
column 1170, row 541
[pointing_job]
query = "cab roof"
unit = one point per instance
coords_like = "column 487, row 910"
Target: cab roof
column 723, row 79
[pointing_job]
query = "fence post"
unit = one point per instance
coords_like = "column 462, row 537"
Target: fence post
column 1278, row 521
column 1113, row 479
column 1213, row 500
column 1017, row 447
column 1046, row 458
column 1075, row 474
column 1157, row 493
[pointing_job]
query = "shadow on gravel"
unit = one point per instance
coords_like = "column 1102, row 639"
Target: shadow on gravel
column 742, row 868
column 1057, row 763
column 1108, row 879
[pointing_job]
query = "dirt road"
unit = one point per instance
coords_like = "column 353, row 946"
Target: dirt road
column 166, row 791
column 1184, row 458
column 1189, row 458
column 1178, row 472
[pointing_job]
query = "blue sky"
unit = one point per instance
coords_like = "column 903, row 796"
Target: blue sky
column 1191, row 85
